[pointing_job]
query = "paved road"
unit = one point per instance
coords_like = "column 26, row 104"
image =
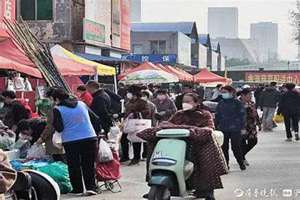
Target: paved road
column 274, row 174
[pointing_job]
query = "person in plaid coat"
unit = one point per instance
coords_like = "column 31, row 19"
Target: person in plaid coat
column 249, row 140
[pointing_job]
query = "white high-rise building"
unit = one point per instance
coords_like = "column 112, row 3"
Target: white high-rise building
column 266, row 36
column 136, row 11
column 223, row 22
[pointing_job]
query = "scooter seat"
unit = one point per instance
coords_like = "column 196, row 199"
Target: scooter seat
column 188, row 169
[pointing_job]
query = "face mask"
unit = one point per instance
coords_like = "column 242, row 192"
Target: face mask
column 145, row 98
column 1, row 104
column 129, row 95
column 187, row 106
column 24, row 137
column 161, row 97
column 226, row 96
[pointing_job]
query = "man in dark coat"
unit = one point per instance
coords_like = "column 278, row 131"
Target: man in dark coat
column 268, row 101
column 101, row 106
column 289, row 106
column 15, row 111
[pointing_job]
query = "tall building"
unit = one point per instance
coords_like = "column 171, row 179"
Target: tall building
column 136, row 10
column 266, row 36
column 79, row 26
column 223, row 22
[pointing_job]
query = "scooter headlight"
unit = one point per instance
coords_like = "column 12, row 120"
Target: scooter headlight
column 163, row 161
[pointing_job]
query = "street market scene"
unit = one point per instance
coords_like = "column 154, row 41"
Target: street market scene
column 149, row 99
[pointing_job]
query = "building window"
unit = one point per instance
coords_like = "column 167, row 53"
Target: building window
column 137, row 49
column 158, row 46
column 37, row 9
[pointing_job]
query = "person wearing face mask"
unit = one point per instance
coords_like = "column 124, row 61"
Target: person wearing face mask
column 252, row 122
column 165, row 106
column 135, row 107
column 230, row 118
column 193, row 115
column 72, row 120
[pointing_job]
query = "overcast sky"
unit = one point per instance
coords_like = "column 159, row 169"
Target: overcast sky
column 250, row 11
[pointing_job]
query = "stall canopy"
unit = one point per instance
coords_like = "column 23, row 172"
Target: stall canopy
column 207, row 77
column 15, row 59
column 147, row 73
column 102, row 70
column 182, row 75
column 143, row 66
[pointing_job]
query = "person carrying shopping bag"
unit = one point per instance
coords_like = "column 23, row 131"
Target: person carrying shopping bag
column 135, row 108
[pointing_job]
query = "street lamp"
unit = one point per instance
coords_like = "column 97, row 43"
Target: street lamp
column 288, row 65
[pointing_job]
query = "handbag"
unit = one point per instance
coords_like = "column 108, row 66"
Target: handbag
column 134, row 126
column 57, row 140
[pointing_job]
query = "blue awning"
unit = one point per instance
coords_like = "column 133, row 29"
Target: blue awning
column 101, row 58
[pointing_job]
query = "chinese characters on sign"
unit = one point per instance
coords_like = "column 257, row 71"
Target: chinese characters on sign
column 155, row 58
column 264, row 193
column 267, row 77
column 93, row 32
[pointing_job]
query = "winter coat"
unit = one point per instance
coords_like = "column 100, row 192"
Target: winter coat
column 199, row 118
column 206, row 154
column 269, row 98
column 230, row 116
column 101, row 106
column 15, row 112
column 167, row 106
column 137, row 106
column 8, row 174
column 47, row 134
column 289, row 103
column 252, row 119
column 87, row 98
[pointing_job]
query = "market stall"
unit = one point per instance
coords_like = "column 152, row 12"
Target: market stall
column 147, row 73
column 209, row 79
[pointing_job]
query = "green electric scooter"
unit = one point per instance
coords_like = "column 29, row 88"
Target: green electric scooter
column 168, row 167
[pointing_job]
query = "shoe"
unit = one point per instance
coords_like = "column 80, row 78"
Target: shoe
column 297, row 137
column 76, row 193
column 289, row 140
column 246, row 163
column 243, row 167
column 90, row 193
column 145, row 196
column 134, row 162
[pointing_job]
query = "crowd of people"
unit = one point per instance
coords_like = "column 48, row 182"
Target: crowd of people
column 80, row 120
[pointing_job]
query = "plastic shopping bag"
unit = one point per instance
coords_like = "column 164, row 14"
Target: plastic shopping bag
column 278, row 118
column 57, row 140
column 219, row 137
column 59, row 172
column 105, row 153
column 36, row 151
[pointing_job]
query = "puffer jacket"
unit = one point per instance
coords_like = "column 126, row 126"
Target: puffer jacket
column 230, row 116
column 289, row 103
column 269, row 98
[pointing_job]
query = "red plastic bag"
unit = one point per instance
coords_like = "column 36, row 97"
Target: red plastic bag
column 109, row 170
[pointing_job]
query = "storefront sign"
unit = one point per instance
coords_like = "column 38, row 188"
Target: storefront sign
column 155, row 58
column 267, row 77
column 7, row 10
column 93, row 32
column 125, row 25
column 116, row 23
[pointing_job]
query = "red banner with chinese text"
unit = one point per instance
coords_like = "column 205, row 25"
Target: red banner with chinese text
column 267, row 77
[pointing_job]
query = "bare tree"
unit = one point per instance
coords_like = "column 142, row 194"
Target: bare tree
column 295, row 19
